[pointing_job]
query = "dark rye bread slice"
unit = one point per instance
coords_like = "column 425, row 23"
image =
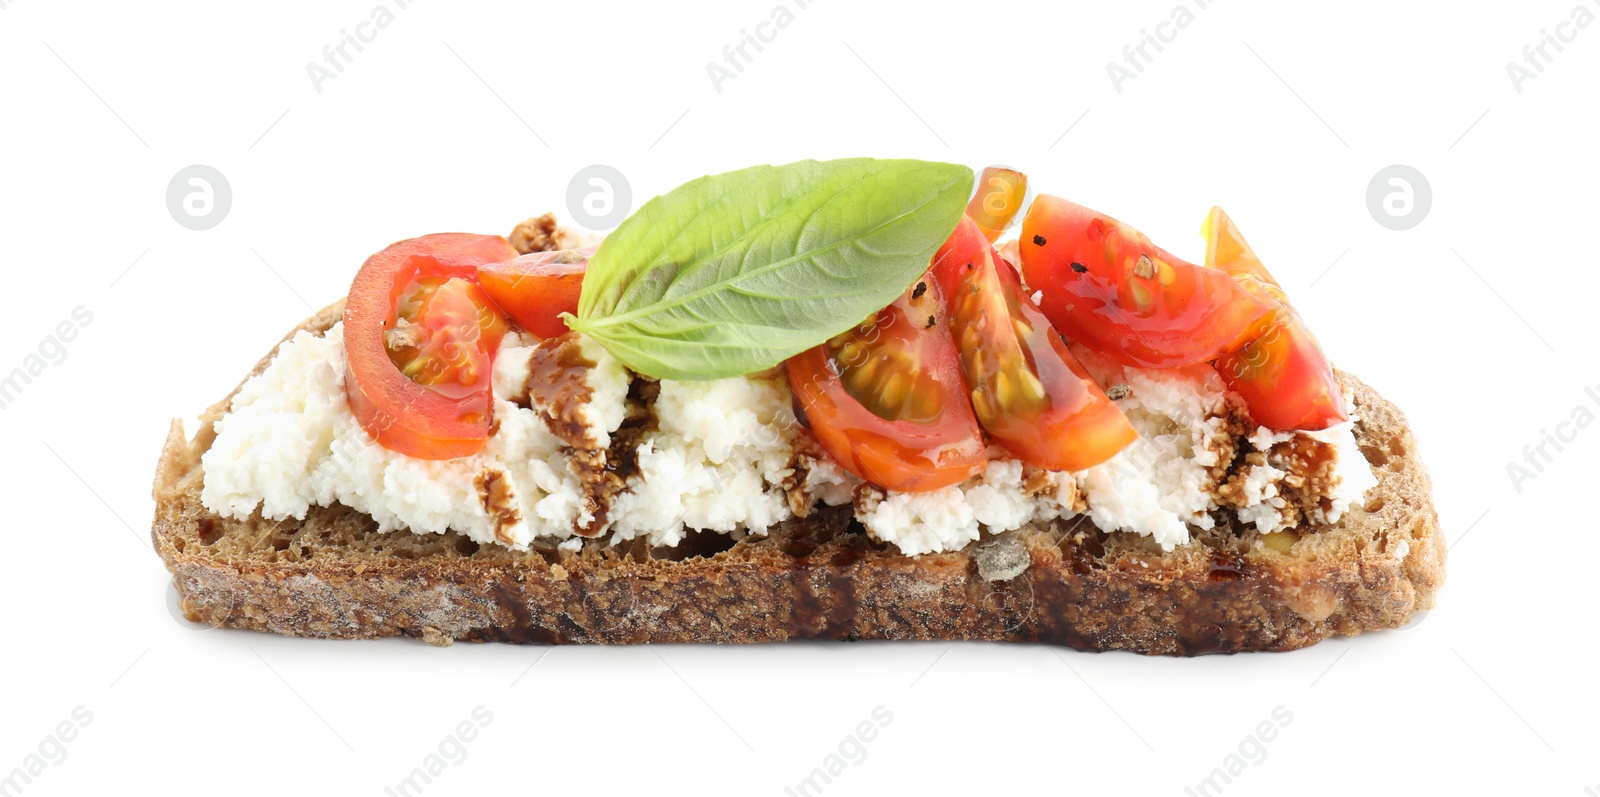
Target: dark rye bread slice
column 333, row 575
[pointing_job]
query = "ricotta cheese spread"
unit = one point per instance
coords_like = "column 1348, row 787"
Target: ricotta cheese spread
column 730, row 456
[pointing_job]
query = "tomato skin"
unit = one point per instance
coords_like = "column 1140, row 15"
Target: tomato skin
column 1105, row 285
column 1226, row 249
column 930, row 438
column 1284, row 378
column 535, row 289
column 401, row 414
column 1001, row 194
column 1281, row 373
column 1028, row 390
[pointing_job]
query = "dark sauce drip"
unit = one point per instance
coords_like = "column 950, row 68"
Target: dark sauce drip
column 557, row 385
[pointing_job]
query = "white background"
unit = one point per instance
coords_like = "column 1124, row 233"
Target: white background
column 1479, row 322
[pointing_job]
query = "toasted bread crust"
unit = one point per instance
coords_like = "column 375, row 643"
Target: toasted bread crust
column 333, row 575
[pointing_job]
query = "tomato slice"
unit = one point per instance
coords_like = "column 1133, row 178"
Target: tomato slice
column 1281, row 372
column 1001, row 194
column 444, row 335
column 1105, row 285
column 1226, row 249
column 1029, row 392
column 448, row 341
column 535, row 289
column 886, row 400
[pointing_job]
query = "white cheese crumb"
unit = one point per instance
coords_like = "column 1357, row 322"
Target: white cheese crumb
column 1161, row 484
column 608, row 383
column 721, row 450
column 827, row 482
column 511, row 372
column 1355, row 473
column 949, row 518
column 291, row 442
column 998, row 501
column 938, row 520
column 280, row 426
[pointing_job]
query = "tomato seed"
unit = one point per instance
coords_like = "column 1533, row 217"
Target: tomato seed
column 1145, row 268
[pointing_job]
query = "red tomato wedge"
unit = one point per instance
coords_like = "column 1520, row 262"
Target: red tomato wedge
column 1226, row 249
column 1105, row 285
column 535, row 289
column 447, row 342
column 886, row 399
column 1029, row 392
column 1281, row 372
column 1001, row 194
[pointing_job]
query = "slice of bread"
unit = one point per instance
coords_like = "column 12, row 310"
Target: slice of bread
column 334, row 575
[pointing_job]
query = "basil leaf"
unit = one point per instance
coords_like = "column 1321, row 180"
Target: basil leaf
column 736, row 272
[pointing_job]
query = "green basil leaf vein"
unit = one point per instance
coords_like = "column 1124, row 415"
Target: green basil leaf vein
column 736, row 272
